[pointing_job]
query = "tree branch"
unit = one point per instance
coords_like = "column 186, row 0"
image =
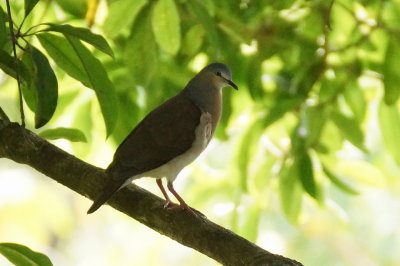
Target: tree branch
column 220, row 244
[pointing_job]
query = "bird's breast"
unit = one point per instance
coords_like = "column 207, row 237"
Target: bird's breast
column 171, row 169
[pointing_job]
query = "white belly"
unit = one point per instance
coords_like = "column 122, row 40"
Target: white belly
column 171, row 169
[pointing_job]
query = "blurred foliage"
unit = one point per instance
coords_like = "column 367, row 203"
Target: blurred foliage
column 317, row 110
column 20, row 255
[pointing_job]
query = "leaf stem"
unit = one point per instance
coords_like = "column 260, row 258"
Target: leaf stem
column 14, row 44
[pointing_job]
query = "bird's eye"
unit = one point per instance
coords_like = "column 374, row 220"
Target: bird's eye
column 219, row 74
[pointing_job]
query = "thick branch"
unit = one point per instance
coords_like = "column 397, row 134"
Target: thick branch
column 222, row 245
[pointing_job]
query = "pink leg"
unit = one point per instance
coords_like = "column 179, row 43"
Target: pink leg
column 160, row 185
column 182, row 202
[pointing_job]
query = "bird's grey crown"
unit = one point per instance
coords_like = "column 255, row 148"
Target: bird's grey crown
column 221, row 68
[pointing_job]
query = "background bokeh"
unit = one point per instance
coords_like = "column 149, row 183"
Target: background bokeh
column 306, row 159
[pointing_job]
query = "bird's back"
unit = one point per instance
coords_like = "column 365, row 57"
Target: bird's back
column 165, row 133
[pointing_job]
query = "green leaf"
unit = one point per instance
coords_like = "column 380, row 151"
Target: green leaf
column 281, row 106
column 71, row 134
column 391, row 70
column 314, row 119
column 350, row 129
column 341, row 184
column 389, row 120
column 29, row 91
column 290, row 192
column 29, row 5
column 61, row 51
column 21, row 255
column 246, row 148
column 328, row 89
column 193, row 40
column 166, row 26
column 83, row 34
column 46, row 88
column 254, row 78
column 308, row 76
column 250, row 226
column 306, row 174
column 198, row 9
column 141, row 47
column 3, row 29
column 77, row 8
column 7, row 64
column 121, row 14
column 100, row 82
column 356, row 101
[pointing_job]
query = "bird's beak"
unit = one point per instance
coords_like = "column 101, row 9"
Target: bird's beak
column 233, row 85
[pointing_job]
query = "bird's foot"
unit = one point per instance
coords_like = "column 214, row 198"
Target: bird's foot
column 169, row 205
column 172, row 206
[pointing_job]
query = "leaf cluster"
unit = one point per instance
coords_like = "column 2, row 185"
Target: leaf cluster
column 313, row 76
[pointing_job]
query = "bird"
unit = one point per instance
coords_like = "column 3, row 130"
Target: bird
column 170, row 137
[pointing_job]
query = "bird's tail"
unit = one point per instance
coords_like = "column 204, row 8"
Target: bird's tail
column 112, row 186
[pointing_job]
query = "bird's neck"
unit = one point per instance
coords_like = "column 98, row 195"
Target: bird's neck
column 207, row 97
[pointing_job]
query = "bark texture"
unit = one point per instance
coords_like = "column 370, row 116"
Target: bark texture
column 220, row 244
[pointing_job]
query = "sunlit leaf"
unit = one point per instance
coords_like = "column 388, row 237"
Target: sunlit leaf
column 46, row 88
column 391, row 70
column 21, row 255
column 64, row 55
column 328, row 89
column 83, row 34
column 389, row 120
column 166, row 26
column 121, row 14
column 29, row 5
column 290, row 192
column 193, row 40
column 141, row 51
column 314, row 120
column 100, row 82
column 355, row 99
column 71, row 134
column 361, row 171
column 337, row 181
column 246, row 149
column 350, row 129
column 251, row 217
column 76, row 8
column 281, row 106
column 86, row 126
column 258, row 181
column 199, row 10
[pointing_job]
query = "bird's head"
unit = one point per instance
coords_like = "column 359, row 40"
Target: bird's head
column 219, row 74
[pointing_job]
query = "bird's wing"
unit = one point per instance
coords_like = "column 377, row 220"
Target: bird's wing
column 165, row 133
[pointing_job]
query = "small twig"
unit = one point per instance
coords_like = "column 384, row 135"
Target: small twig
column 91, row 12
column 327, row 27
column 14, row 44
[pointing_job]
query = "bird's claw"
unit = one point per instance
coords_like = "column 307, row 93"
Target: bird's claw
column 172, row 206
